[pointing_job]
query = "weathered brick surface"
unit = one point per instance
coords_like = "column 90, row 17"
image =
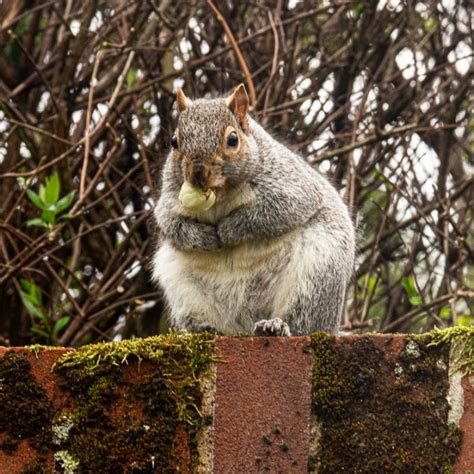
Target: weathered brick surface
column 262, row 405
column 264, row 418
column 41, row 370
column 465, row 461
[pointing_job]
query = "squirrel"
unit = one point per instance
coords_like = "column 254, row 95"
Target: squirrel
column 274, row 254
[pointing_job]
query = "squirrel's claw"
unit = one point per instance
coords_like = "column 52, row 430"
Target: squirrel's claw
column 271, row 327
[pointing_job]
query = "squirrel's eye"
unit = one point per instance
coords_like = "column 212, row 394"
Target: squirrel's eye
column 232, row 139
column 174, row 142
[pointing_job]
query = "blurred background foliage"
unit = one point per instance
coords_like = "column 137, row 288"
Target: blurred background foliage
column 378, row 95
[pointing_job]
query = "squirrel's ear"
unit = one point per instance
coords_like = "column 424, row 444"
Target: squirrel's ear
column 183, row 101
column 238, row 103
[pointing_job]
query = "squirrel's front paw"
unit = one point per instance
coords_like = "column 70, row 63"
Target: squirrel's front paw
column 204, row 237
column 228, row 232
column 271, row 327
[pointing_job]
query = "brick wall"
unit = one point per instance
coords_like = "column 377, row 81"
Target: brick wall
column 378, row 403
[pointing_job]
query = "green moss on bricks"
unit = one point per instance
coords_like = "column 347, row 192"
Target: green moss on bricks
column 25, row 409
column 158, row 398
column 461, row 342
column 382, row 410
column 37, row 348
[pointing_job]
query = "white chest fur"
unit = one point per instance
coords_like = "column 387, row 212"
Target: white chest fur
column 229, row 289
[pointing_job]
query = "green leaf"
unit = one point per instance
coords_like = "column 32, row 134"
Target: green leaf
column 408, row 284
column 40, row 331
column 23, row 25
column 65, row 202
column 33, row 291
column 415, row 300
column 66, row 216
column 53, row 187
column 431, row 24
column 372, row 284
column 49, row 217
column 42, row 194
column 445, row 312
column 131, row 78
column 35, row 199
column 61, row 324
column 27, row 285
column 31, row 307
column 359, row 8
column 37, row 223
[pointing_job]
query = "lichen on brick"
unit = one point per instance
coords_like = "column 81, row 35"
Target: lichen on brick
column 66, row 462
column 61, row 427
column 382, row 408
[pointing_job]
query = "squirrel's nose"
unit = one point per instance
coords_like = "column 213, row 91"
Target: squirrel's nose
column 199, row 177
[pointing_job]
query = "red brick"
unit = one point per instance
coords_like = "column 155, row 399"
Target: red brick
column 465, row 461
column 262, row 405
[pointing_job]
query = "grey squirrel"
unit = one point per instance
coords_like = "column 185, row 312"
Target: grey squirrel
column 274, row 253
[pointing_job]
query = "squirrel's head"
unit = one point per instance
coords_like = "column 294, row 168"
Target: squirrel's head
column 212, row 143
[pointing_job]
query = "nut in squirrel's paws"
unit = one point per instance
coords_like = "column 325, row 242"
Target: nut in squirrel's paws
column 271, row 327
